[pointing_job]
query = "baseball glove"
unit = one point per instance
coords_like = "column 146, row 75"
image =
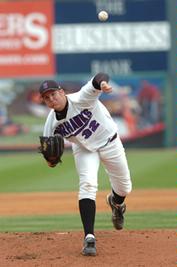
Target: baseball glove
column 52, row 148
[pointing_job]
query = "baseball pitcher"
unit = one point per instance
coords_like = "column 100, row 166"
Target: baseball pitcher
column 83, row 120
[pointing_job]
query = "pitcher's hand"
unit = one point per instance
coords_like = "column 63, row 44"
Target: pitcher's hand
column 105, row 87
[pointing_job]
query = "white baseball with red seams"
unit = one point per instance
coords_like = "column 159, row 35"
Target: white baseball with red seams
column 89, row 126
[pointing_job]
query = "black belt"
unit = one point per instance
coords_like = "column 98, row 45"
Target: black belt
column 112, row 138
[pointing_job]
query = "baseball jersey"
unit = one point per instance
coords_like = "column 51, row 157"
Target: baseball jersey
column 87, row 123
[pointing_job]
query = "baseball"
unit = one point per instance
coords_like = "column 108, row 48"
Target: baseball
column 103, row 15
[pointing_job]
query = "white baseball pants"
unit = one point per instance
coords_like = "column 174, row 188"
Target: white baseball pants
column 114, row 160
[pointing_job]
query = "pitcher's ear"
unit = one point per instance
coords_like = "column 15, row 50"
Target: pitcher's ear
column 41, row 99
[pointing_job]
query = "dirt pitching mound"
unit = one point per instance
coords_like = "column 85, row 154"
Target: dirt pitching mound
column 115, row 248
column 124, row 248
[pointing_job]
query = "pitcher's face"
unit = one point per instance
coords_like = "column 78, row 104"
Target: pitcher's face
column 55, row 99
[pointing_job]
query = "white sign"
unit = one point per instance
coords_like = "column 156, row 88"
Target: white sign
column 111, row 37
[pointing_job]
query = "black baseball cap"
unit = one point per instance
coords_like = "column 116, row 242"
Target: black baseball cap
column 48, row 85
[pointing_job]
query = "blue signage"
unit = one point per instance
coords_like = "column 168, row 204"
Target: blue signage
column 122, row 10
column 134, row 47
column 82, row 63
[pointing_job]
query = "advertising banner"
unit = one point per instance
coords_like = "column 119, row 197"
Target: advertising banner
column 135, row 38
column 25, row 38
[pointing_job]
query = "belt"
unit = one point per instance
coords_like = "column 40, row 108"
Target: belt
column 112, row 138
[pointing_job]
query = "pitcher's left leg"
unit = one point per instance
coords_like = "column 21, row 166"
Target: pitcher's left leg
column 114, row 159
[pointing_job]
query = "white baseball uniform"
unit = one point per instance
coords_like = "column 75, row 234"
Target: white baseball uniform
column 90, row 128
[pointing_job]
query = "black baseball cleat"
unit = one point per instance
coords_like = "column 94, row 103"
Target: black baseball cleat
column 117, row 212
column 89, row 248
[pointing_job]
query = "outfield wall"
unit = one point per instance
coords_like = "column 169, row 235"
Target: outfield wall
column 59, row 40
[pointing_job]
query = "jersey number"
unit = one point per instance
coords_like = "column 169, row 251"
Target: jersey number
column 91, row 129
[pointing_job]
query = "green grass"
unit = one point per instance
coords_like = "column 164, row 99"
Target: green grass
column 72, row 222
column 29, row 172
column 152, row 168
column 32, row 123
